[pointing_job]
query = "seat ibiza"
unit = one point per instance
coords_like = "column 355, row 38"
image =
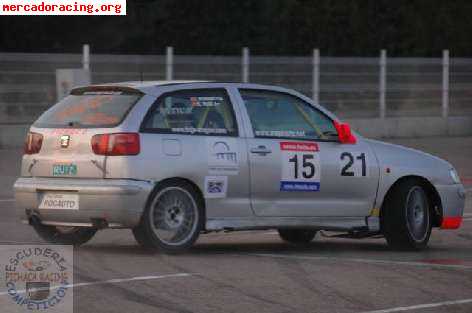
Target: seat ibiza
column 170, row 160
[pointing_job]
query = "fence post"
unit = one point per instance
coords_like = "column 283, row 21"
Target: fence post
column 86, row 57
column 316, row 75
column 445, row 84
column 169, row 63
column 245, row 65
column 382, row 83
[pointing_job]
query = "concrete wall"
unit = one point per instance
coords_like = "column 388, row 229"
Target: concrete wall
column 12, row 136
column 413, row 126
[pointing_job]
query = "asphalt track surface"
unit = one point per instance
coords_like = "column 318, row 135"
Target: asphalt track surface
column 257, row 272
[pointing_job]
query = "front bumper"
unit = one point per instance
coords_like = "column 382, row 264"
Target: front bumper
column 453, row 202
column 116, row 203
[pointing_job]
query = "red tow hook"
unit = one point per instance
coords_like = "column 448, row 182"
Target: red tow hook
column 451, row 222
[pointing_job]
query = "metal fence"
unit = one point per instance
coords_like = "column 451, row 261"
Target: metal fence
column 352, row 87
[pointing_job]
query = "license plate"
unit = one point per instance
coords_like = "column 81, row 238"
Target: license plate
column 64, row 170
column 59, row 201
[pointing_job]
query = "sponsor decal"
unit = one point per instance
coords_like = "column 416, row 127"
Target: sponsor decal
column 280, row 133
column 298, row 146
column 301, row 168
column 193, row 130
column 64, row 169
column 216, row 186
column 205, row 101
column 299, row 186
column 60, row 201
column 223, row 156
column 70, row 131
column 175, row 111
column 38, row 277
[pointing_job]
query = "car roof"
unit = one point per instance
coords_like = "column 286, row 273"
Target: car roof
column 157, row 83
column 151, row 87
column 152, row 83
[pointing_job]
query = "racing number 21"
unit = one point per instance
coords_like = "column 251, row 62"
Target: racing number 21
column 346, row 170
column 307, row 165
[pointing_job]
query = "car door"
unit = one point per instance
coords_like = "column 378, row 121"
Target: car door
column 298, row 167
column 193, row 133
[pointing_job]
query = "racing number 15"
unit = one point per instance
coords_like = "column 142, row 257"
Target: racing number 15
column 308, row 166
column 346, row 169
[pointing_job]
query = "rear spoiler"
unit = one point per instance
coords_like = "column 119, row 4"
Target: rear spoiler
column 106, row 89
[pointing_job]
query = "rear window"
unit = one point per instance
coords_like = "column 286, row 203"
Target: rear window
column 89, row 109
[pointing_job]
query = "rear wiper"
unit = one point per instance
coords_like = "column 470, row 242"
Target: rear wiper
column 74, row 124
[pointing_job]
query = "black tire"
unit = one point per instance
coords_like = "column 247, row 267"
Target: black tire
column 64, row 235
column 140, row 237
column 297, row 236
column 407, row 216
column 188, row 216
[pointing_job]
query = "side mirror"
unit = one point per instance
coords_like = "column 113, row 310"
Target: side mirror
column 344, row 133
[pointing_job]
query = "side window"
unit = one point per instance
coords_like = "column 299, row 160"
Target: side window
column 279, row 115
column 193, row 111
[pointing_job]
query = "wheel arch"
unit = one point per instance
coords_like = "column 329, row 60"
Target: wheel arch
column 433, row 196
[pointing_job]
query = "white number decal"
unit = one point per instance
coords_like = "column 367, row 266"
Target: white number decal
column 300, row 166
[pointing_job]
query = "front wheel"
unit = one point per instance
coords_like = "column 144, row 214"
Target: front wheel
column 64, row 235
column 172, row 220
column 406, row 217
column 297, row 236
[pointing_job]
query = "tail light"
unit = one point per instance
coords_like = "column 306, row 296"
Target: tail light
column 116, row 144
column 33, row 143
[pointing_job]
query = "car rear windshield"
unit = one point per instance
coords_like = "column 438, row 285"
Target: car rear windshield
column 89, row 109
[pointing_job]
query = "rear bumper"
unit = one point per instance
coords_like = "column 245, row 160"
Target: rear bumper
column 118, row 202
column 453, row 202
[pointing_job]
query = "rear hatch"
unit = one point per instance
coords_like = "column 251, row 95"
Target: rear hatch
column 66, row 131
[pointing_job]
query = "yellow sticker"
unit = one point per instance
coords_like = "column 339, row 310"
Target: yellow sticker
column 375, row 212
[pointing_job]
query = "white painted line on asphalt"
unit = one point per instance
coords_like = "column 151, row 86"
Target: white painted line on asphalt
column 3, row 242
column 7, row 200
column 111, row 281
column 240, row 233
column 421, row 306
column 358, row 260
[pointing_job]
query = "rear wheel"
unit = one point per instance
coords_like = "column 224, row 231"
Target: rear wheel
column 64, row 235
column 172, row 220
column 297, row 236
column 406, row 217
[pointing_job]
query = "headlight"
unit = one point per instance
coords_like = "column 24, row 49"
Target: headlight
column 454, row 176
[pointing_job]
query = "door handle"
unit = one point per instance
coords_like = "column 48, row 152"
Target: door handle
column 262, row 150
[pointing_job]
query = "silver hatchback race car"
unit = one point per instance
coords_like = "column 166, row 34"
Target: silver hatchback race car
column 173, row 159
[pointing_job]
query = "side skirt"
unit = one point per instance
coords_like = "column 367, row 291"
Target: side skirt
column 322, row 223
